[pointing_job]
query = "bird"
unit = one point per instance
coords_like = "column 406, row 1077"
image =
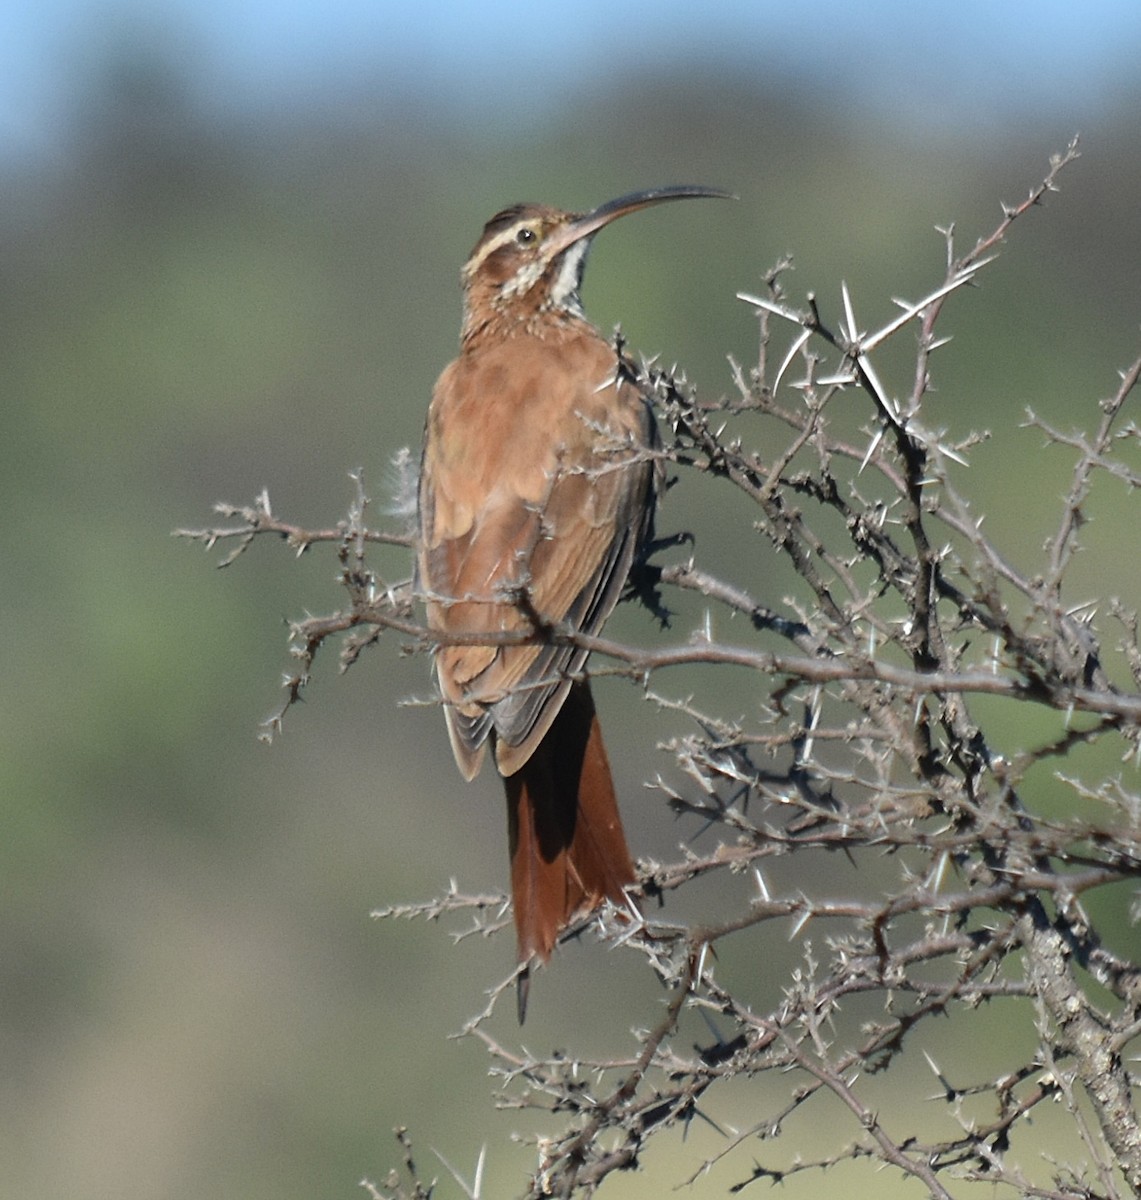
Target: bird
column 536, row 496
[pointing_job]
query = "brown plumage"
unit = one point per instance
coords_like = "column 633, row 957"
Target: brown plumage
column 536, row 491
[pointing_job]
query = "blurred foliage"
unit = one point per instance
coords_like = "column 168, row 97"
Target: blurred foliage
column 192, row 998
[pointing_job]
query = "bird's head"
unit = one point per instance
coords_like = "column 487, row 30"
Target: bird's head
column 530, row 259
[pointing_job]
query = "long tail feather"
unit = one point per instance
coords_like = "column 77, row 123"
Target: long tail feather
column 568, row 847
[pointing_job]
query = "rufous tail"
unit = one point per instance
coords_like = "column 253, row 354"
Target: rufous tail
column 568, row 847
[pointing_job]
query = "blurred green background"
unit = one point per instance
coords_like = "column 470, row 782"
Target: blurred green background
column 216, row 280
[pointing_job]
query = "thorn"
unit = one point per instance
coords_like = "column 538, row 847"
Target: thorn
column 939, row 872
column 778, row 310
column 873, row 379
column 954, row 455
column 701, row 961
column 793, row 350
column 850, row 316
column 871, row 449
column 762, row 887
column 800, row 922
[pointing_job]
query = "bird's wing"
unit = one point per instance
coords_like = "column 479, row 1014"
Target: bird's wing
column 532, row 508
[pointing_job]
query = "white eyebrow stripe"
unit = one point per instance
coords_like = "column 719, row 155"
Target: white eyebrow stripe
column 500, row 239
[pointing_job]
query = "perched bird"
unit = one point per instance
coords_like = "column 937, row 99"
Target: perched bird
column 536, row 492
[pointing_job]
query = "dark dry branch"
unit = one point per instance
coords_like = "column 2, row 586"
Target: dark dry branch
column 405, row 1184
column 885, row 747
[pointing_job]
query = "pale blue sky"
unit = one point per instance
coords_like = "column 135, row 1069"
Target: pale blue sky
column 509, row 58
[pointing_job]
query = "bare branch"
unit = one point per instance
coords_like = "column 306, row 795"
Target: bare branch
column 926, row 737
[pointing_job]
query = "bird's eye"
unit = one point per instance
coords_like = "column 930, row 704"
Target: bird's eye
column 526, row 236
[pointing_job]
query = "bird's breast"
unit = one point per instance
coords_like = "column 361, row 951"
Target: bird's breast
column 520, row 407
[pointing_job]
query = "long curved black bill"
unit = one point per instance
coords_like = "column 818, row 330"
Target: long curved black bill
column 591, row 222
